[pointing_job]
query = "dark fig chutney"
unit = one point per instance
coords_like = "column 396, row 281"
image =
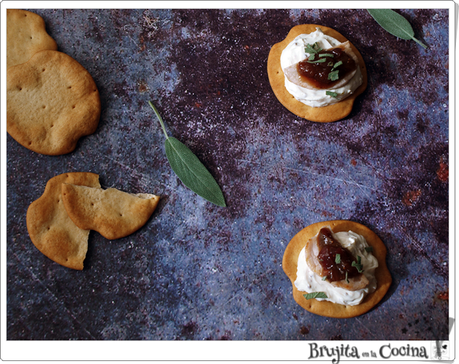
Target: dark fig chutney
column 324, row 69
column 329, row 247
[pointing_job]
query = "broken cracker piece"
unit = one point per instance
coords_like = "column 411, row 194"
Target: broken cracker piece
column 51, row 230
column 111, row 212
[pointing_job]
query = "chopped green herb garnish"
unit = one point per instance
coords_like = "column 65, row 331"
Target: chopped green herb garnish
column 310, row 49
column 331, row 93
column 312, row 57
column 326, row 55
column 315, row 295
column 329, row 64
column 369, row 248
column 324, row 278
column 314, row 48
column 333, row 75
column 358, row 264
column 338, row 258
column 318, row 61
column 347, row 279
column 337, row 64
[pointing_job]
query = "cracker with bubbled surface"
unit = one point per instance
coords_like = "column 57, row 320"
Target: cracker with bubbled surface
column 52, row 101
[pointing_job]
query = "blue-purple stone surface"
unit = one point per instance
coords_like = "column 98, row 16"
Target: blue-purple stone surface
column 196, row 271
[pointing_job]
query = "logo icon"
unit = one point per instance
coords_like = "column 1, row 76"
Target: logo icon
column 440, row 350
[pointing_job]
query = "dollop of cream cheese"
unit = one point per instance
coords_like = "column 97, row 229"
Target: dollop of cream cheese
column 294, row 53
column 308, row 281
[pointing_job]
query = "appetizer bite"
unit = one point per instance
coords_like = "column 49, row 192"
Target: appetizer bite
column 337, row 268
column 316, row 73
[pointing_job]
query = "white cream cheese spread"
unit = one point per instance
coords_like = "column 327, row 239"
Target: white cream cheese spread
column 308, row 281
column 295, row 52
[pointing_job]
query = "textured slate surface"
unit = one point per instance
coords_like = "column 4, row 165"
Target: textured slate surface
column 197, row 271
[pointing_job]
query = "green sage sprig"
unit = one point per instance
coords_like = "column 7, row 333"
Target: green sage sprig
column 395, row 24
column 189, row 168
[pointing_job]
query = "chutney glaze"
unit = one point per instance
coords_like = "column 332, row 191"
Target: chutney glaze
column 316, row 74
column 329, row 247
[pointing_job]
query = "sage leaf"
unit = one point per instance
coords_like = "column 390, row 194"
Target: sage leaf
column 395, row 24
column 189, row 168
column 192, row 172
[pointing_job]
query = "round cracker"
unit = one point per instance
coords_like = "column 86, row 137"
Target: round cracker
column 51, row 230
column 52, row 101
column 25, row 35
column 277, row 80
column 327, row 308
column 112, row 213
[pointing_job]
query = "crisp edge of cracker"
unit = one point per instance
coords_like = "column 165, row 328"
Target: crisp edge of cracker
column 326, row 308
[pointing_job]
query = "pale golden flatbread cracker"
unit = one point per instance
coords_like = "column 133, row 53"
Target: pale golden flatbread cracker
column 50, row 228
column 25, row 35
column 326, row 308
column 276, row 78
column 112, row 213
column 52, row 101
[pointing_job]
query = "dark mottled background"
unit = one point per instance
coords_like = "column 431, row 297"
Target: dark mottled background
column 200, row 272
